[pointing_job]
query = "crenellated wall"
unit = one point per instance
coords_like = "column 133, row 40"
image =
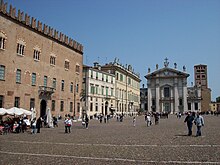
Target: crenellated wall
column 39, row 26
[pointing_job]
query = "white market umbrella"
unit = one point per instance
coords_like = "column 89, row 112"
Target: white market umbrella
column 49, row 118
column 15, row 111
column 3, row 111
column 26, row 112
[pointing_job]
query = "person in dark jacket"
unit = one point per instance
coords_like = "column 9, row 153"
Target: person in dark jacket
column 39, row 124
column 189, row 120
column 87, row 122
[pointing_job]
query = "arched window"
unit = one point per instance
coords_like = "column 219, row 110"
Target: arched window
column 20, row 46
column 2, row 40
column 37, row 52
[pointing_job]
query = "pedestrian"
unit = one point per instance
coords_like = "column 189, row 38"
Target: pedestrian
column 134, row 121
column 199, row 122
column 148, row 120
column 189, row 120
column 39, row 124
column 156, row 117
column 33, row 126
column 87, row 122
column 68, row 125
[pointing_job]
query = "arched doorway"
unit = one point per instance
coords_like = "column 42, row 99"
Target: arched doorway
column 43, row 107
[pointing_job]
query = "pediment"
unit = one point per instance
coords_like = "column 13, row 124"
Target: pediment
column 166, row 72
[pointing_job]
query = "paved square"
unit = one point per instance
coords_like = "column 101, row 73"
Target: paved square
column 116, row 143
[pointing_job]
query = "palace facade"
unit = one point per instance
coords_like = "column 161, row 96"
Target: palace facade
column 99, row 91
column 40, row 67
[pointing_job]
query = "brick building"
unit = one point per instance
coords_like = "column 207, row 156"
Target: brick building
column 201, row 79
column 40, row 67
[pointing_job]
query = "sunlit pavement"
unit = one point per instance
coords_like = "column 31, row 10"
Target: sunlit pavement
column 116, row 143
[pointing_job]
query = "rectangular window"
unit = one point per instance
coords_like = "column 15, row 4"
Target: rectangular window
column 166, row 92
column 96, row 107
column 91, row 74
column 71, row 87
column 36, row 55
column 2, row 72
column 189, row 106
column 121, row 77
column 102, row 77
column 52, row 60
column 61, row 106
column 116, row 76
column 91, row 107
column 53, row 105
column 17, row 102
column 67, row 65
column 18, row 76
column 112, row 91
column 33, row 79
column 32, row 103
column 78, row 107
column 20, row 49
column 106, row 91
column 1, row 101
column 45, row 81
column 196, row 106
column 54, row 83
column 106, row 78
column 102, row 90
column 62, row 85
column 92, row 89
column 96, row 89
column 97, row 75
column 129, row 81
column 2, row 43
column 77, row 88
column 180, row 102
column 71, row 106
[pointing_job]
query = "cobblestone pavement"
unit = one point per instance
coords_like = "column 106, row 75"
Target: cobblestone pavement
column 115, row 143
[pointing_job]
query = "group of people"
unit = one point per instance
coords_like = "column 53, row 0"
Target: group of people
column 197, row 119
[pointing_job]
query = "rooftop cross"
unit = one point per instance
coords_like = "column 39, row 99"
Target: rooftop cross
column 166, row 63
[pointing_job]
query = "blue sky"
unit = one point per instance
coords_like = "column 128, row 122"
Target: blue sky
column 139, row 32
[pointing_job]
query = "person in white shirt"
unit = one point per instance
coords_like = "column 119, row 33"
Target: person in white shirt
column 199, row 122
column 68, row 124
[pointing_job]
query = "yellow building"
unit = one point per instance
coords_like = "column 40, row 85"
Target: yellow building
column 214, row 106
column 127, row 87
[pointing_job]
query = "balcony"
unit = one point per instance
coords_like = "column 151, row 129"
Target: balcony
column 45, row 90
column 167, row 99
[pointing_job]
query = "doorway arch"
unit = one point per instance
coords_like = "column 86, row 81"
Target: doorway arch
column 43, row 107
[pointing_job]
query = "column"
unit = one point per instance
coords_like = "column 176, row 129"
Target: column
column 149, row 98
column 176, row 96
column 157, row 96
column 184, row 95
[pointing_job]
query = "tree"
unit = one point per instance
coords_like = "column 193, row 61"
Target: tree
column 218, row 99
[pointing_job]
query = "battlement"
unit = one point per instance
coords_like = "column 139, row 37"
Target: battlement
column 40, row 27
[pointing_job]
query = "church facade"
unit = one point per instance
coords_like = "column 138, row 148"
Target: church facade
column 167, row 89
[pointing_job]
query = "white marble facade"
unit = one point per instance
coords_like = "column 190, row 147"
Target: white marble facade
column 167, row 90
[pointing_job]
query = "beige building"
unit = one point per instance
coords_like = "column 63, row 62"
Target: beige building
column 214, row 106
column 40, row 67
column 127, row 87
column 201, row 79
column 99, row 91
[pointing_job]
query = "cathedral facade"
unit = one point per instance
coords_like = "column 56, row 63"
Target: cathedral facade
column 167, row 89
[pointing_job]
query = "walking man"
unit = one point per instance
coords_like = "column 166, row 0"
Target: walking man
column 189, row 120
column 199, row 122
